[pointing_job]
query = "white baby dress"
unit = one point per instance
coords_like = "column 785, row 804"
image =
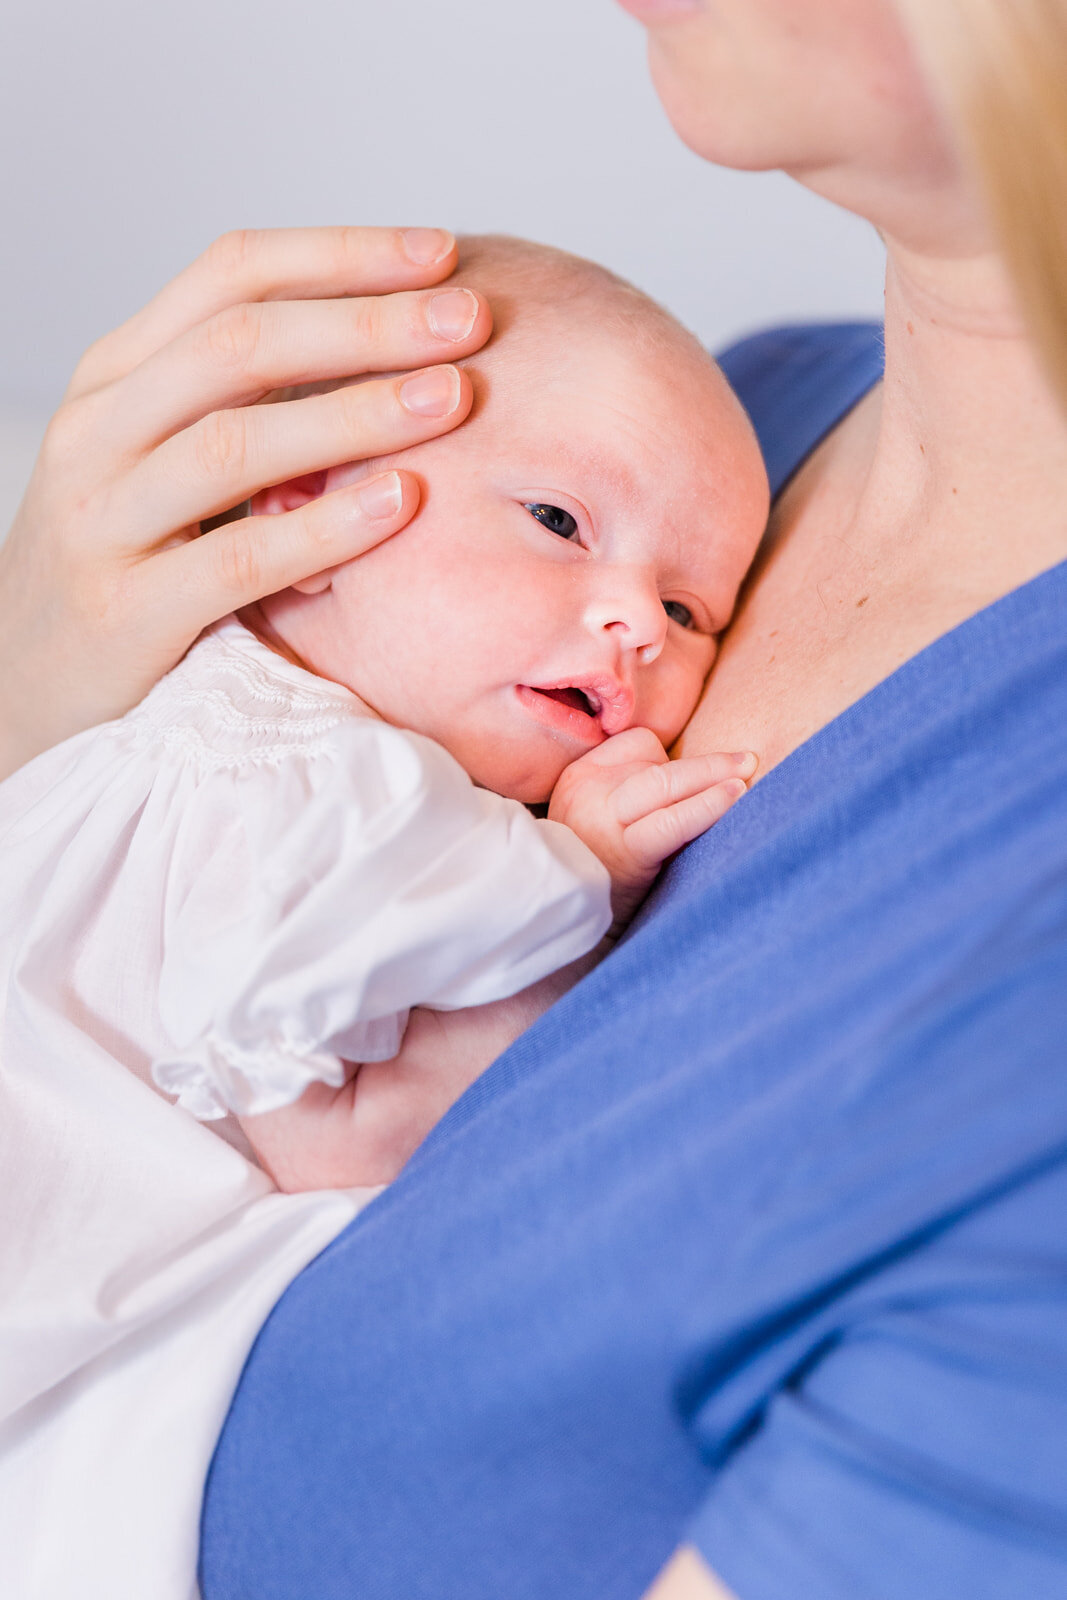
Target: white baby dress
column 214, row 899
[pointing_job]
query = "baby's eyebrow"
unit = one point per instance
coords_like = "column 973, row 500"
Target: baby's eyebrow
column 603, row 464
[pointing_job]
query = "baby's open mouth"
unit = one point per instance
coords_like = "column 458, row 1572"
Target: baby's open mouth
column 589, row 711
column 577, row 699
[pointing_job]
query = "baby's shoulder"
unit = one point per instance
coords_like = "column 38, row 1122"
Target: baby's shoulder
column 231, row 702
column 234, row 705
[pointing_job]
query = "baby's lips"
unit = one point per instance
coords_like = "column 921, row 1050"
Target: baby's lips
column 615, row 699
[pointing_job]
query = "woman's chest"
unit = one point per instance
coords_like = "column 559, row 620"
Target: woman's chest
column 809, row 641
column 834, row 606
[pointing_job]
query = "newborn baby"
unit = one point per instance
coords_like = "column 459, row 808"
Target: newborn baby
column 318, row 820
column 548, row 619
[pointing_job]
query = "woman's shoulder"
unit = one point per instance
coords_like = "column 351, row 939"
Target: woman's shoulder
column 797, row 382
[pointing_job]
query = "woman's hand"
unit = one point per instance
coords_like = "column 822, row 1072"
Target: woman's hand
column 104, row 579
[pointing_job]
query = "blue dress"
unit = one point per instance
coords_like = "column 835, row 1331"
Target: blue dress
column 758, row 1239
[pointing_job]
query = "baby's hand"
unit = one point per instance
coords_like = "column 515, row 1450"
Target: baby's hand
column 633, row 806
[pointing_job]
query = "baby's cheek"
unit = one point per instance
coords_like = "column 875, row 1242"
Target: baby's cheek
column 677, row 696
column 527, row 773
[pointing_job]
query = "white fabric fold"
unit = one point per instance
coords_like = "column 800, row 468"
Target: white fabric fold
column 227, row 893
column 215, row 1076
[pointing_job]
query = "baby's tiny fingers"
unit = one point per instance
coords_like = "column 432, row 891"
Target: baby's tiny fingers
column 652, row 838
column 663, row 785
column 633, row 744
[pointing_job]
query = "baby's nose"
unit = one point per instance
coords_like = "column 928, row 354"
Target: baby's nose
column 629, row 607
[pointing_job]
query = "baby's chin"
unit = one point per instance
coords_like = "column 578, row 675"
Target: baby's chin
column 535, row 792
column 529, row 779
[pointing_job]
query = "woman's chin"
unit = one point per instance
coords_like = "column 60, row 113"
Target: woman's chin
column 715, row 118
column 651, row 12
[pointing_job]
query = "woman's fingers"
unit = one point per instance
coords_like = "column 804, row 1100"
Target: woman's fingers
column 243, row 561
column 655, row 787
column 227, row 456
column 247, row 351
column 272, row 264
column 112, row 587
column 652, row 838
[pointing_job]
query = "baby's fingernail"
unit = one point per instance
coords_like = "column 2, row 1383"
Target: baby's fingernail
column 426, row 245
column 746, row 760
column 382, row 496
column 452, row 313
column 433, row 393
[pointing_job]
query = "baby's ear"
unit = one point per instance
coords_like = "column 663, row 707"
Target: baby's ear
column 289, row 495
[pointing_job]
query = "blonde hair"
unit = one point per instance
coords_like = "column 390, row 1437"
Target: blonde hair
column 1001, row 66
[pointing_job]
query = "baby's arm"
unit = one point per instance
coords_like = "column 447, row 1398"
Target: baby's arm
column 633, row 808
column 364, row 1132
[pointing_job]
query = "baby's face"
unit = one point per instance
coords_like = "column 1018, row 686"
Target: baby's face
column 577, row 551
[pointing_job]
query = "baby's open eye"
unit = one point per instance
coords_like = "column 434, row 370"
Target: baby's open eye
column 555, row 519
column 679, row 613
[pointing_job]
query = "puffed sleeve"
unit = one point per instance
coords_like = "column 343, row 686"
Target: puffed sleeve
column 310, row 905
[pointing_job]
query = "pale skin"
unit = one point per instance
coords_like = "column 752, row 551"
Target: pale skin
column 545, row 554
column 933, row 499
column 544, row 567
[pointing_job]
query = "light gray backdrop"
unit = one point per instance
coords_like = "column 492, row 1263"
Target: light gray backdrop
column 133, row 131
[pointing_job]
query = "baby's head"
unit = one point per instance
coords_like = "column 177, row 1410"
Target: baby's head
column 579, row 543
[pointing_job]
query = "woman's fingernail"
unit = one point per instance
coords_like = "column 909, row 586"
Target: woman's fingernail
column 433, row 393
column 452, row 313
column 382, row 496
column 735, row 788
column 426, row 245
column 747, row 760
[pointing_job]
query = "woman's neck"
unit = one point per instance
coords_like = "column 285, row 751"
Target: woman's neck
column 941, row 492
column 969, row 455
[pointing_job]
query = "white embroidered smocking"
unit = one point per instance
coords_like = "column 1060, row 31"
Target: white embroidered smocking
column 231, row 702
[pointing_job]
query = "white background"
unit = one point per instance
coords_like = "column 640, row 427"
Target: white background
column 133, row 131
